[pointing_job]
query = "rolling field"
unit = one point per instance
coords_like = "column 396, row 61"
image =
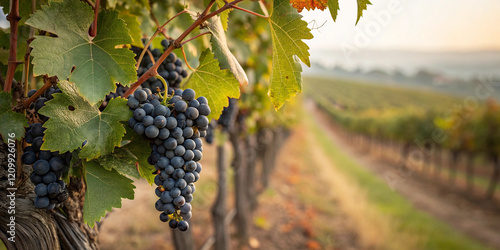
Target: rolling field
column 408, row 116
column 355, row 96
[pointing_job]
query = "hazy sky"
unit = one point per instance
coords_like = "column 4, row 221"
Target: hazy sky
column 415, row 25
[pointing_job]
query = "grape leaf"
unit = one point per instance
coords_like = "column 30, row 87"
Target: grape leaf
column 224, row 16
column 12, row 122
column 287, row 31
column 215, row 84
column 333, row 6
column 105, row 190
column 121, row 160
column 133, row 25
column 74, row 120
column 222, row 52
column 362, row 5
column 141, row 150
column 94, row 65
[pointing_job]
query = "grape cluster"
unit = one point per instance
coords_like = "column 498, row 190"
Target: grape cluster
column 171, row 69
column 48, row 167
column 174, row 131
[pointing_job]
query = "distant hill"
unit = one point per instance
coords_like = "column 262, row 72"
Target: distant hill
column 457, row 73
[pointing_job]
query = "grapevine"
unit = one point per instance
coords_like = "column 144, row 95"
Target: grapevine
column 112, row 107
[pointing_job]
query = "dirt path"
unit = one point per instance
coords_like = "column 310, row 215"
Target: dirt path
column 462, row 214
column 297, row 211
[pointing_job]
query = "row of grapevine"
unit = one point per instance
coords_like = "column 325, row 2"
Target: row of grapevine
column 424, row 124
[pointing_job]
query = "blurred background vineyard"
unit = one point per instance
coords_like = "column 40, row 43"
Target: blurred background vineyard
column 393, row 144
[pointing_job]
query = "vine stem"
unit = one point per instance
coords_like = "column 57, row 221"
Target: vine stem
column 192, row 38
column 155, row 20
column 93, row 27
column 13, row 18
column 151, row 57
column 248, row 11
column 39, row 92
column 177, row 43
column 158, row 30
column 209, row 6
column 26, row 69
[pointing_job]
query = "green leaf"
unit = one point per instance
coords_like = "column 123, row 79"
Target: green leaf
column 362, row 5
column 224, row 16
column 333, row 6
column 105, row 190
column 222, row 52
column 74, row 120
column 133, row 25
column 13, row 124
column 215, row 84
column 97, row 63
column 287, row 31
column 121, row 160
column 141, row 150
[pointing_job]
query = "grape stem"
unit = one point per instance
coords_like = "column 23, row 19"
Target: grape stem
column 151, row 57
column 13, row 18
column 177, row 43
column 192, row 38
column 93, row 26
column 158, row 30
column 155, row 20
column 165, row 86
column 185, row 59
column 249, row 11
